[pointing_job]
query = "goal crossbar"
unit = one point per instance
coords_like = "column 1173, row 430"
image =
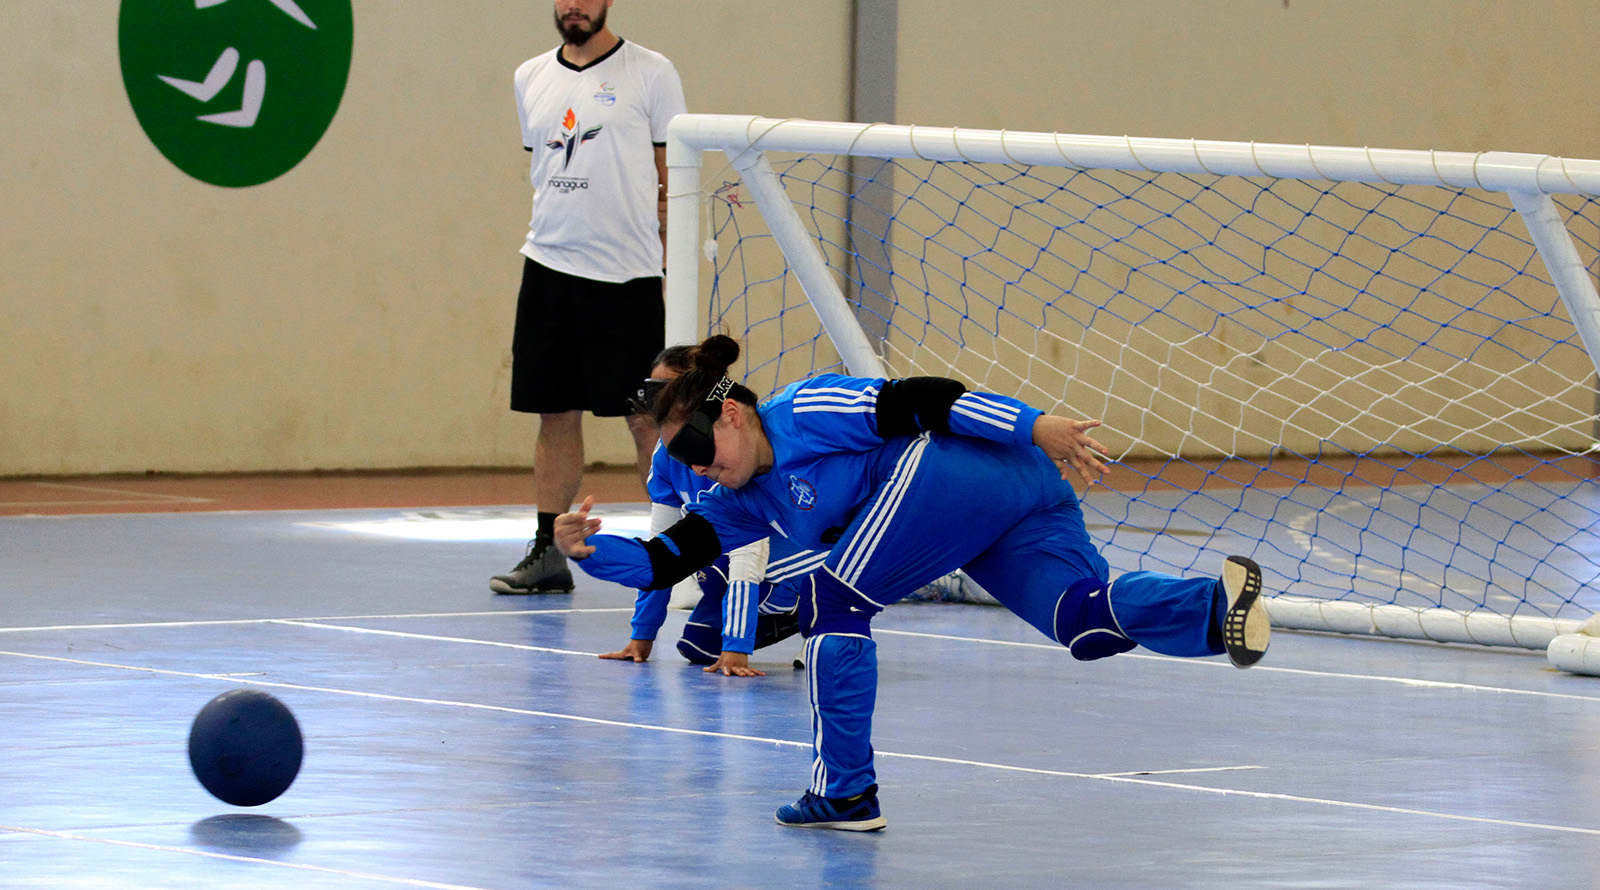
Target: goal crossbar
column 1528, row 178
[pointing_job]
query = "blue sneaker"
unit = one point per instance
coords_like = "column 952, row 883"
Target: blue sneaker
column 1246, row 629
column 856, row 813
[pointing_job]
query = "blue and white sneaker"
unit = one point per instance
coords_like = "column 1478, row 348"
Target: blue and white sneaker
column 1246, row 629
column 856, row 813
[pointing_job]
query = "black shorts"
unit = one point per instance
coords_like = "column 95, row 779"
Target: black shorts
column 581, row 344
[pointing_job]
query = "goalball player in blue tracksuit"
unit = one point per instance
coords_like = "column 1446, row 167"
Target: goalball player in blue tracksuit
column 873, row 470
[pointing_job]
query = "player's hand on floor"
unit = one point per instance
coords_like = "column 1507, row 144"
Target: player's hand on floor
column 1068, row 442
column 573, row 529
column 734, row 664
column 635, row 651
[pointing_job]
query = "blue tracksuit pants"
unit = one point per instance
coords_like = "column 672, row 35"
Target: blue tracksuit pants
column 1003, row 513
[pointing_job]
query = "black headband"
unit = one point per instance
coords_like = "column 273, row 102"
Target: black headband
column 717, row 395
column 695, row 445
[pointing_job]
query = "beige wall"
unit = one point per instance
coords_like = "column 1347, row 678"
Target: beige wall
column 356, row 312
column 1463, row 75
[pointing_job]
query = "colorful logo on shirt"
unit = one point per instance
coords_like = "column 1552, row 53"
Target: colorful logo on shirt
column 570, row 140
column 607, row 94
column 803, row 493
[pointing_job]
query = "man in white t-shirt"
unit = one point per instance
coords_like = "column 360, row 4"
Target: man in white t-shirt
column 590, row 319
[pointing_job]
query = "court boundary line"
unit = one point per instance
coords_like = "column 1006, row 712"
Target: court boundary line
column 929, row 758
column 234, row 857
column 222, row 622
column 432, row 638
column 1266, row 668
column 1207, row 662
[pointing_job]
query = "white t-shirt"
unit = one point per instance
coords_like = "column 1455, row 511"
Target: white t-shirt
column 593, row 132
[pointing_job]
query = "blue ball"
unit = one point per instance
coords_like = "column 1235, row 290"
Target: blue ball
column 245, row 747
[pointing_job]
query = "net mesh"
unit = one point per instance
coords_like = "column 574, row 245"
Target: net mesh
column 1373, row 390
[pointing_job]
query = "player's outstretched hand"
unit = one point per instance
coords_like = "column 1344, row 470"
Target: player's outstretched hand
column 734, row 664
column 1068, row 441
column 637, row 651
column 573, row 530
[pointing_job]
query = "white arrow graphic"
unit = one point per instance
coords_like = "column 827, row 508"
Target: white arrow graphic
column 255, row 91
column 216, row 79
column 288, row 6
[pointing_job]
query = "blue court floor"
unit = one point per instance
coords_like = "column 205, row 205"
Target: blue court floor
column 460, row 740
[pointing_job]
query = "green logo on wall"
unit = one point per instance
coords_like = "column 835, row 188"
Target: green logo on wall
column 235, row 92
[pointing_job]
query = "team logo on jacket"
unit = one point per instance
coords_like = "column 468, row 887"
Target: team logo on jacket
column 803, row 493
column 570, row 138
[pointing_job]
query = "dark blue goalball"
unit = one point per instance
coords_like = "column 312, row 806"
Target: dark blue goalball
column 245, row 747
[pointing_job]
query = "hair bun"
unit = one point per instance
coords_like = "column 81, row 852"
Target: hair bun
column 716, row 353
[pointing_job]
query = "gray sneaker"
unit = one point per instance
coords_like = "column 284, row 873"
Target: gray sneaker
column 543, row 570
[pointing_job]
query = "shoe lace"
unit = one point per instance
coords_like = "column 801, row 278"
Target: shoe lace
column 536, row 549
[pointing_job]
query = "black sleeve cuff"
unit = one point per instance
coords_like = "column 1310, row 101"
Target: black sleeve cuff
column 915, row 405
column 697, row 545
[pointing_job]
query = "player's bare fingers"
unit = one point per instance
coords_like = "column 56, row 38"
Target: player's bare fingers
column 1084, row 465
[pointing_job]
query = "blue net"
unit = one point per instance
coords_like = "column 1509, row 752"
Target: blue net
column 1373, row 390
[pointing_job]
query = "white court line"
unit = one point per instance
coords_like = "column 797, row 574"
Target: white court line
column 231, row 857
column 1261, row 668
column 1260, row 795
column 381, row 696
column 1202, row 662
column 222, row 622
column 1169, row 772
column 293, row 622
column 981, row 764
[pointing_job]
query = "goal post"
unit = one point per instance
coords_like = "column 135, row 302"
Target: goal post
column 1371, row 370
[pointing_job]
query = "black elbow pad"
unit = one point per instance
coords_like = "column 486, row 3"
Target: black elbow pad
column 916, row 404
column 696, row 543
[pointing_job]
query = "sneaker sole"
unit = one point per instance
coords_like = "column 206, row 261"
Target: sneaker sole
column 504, row 589
column 865, row 825
column 1246, row 630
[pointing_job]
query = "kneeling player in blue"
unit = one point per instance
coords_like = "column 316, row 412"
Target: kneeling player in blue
column 874, row 470
column 746, row 599
column 742, row 601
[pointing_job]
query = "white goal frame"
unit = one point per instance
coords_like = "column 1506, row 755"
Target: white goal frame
column 1527, row 179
